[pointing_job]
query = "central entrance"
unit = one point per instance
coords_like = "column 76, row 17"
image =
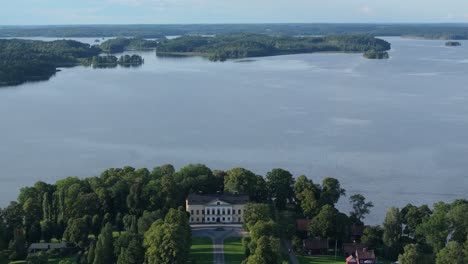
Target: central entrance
column 218, row 220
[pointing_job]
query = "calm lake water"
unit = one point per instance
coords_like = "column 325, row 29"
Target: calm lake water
column 394, row 130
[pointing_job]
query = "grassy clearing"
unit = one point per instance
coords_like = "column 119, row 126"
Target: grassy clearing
column 202, row 250
column 233, row 250
column 320, row 260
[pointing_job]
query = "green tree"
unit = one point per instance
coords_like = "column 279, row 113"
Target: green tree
column 413, row 216
column 331, row 191
column 263, row 228
column 372, row 237
column 360, row 207
column 266, row 251
column 307, row 193
column 240, row 180
column 324, row 224
column 411, row 255
column 451, row 254
column 18, row 245
column 77, row 232
column 91, row 253
column 435, row 229
column 160, row 171
column 104, row 252
column 392, row 230
column 280, row 185
column 47, row 229
column 146, row 220
column 254, row 212
column 458, row 219
column 168, row 241
column 132, row 250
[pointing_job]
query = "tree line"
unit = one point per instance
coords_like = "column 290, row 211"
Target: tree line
column 233, row 46
column 128, row 215
column 449, row 31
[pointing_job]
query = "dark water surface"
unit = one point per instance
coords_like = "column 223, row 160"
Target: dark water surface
column 394, row 130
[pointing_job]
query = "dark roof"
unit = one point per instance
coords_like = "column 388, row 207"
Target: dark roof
column 310, row 244
column 365, row 254
column 201, row 199
column 47, row 246
column 302, row 225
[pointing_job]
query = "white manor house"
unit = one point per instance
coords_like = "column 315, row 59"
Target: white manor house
column 216, row 208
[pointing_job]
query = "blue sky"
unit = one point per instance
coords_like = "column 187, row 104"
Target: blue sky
column 43, row 12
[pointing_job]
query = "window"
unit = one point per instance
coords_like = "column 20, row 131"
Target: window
column 218, row 210
column 239, row 211
column 198, row 212
column 218, row 203
column 191, row 212
column 224, row 212
column 198, row 219
column 229, row 211
column 202, row 212
column 223, row 218
column 213, row 212
column 191, row 219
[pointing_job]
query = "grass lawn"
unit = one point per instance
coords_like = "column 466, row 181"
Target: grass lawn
column 53, row 261
column 321, row 260
column 233, row 250
column 202, row 250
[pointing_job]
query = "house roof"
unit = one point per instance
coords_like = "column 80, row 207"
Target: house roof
column 201, row 199
column 311, row 244
column 302, row 225
column 365, row 254
column 47, row 245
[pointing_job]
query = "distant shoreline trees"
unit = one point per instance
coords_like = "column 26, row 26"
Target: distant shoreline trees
column 235, row 46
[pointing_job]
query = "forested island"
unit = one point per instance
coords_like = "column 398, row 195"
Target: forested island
column 110, row 61
column 452, row 44
column 234, row 46
column 374, row 54
column 33, row 60
column 118, row 45
column 129, row 215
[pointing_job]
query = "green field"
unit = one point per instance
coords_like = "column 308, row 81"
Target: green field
column 53, row 261
column 202, row 250
column 321, row 260
column 233, row 250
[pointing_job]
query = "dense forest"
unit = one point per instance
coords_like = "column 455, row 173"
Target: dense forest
column 232, row 46
column 129, row 215
column 28, row 60
column 438, row 31
column 118, row 45
column 33, row 60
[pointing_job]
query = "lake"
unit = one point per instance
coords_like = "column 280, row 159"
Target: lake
column 394, row 130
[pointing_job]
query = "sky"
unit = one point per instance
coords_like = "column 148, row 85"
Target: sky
column 61, row 12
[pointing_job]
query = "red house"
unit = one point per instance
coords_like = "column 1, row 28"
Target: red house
column 363, row 256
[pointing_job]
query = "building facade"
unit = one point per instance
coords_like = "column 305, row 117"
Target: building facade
column 216, row 208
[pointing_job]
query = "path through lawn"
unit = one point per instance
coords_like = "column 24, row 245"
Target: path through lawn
column 202, row 250
column 233, row 250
